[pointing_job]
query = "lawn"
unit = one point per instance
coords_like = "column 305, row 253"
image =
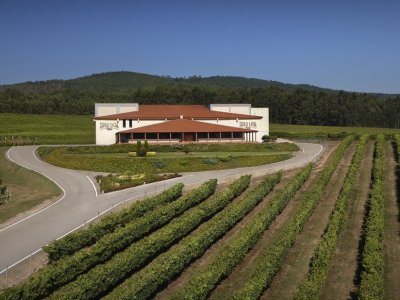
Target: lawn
column 109, row 159
column 282, row 130
column 46, row 129
column 27, row 188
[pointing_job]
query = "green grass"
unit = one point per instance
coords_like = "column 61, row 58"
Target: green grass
column 48, row 129
column 28, row 188
column 67, row 157
column 321, row 131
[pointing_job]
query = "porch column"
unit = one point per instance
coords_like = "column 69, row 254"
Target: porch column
column 219, row 137
column 255, row 136
column 231, row 136
column 208, row 136
column 158, row 137
column 145, row 136
column 131, row 136
column 183, row 135
column 170, row 137
column 195, row 136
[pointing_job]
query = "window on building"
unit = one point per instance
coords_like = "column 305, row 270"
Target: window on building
column 238, row 135
column 124, row 123
column 130, row 123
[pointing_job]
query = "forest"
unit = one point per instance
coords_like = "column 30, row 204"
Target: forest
column 289, row 104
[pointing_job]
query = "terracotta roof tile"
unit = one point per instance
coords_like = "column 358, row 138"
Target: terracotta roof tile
column 182, row 125
column 172, row 112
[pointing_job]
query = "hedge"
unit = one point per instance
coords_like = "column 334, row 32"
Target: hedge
column 165, row 267
column 311, row 286
column 372, row 282
column 234, row 250
column 68, row 268
column 83, row 238
column 271, row 258
column 104, row 277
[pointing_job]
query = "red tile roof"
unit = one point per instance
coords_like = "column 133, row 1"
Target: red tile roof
column 172, row 112
column 182, row 125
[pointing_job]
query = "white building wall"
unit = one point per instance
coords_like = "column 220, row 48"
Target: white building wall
column 232, row 108
column 106, row 129
column 106, row 109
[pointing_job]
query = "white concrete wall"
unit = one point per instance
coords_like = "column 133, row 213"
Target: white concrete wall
column 232, row 108
column 106, row 109
column 262, row 124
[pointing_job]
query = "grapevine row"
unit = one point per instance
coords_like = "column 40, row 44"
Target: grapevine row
column 69, row 267
column 372, row 261
column 104, row 277
column 165, row 267
column 320, row 262
column 234, row 250
column 83, row 238
column 271, row 259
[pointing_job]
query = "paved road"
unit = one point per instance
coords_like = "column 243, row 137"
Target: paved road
column 81, row 200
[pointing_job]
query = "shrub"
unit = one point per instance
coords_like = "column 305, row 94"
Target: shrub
column 210, row 161
column 159, row 164
column 225, row 158
column 138, row 147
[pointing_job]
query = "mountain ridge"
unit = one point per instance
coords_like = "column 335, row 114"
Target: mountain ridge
column 128, row 81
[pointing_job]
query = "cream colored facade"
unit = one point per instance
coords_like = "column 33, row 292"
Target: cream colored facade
column 106, row 130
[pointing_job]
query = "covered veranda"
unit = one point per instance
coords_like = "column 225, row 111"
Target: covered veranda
column 187, row 131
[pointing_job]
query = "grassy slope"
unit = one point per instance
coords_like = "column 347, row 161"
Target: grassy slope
column 49, row 129
column 28, row 188
column 311, row 130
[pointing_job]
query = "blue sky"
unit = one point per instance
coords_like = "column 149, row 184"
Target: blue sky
column 348, row 45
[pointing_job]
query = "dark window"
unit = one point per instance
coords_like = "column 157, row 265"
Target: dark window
column 138, row 136
column 214, row 135
column 164, row 136
column 130, row 123
column 176, row 135
column 238, row 135
column 151, row 136
column 226, row 135
column 124, row 123
column 202, row 135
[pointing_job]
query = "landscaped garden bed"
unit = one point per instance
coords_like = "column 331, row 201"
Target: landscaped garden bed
column 115, row 182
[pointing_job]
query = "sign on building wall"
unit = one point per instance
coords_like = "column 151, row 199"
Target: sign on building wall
column 248, row 125
column 108, row 126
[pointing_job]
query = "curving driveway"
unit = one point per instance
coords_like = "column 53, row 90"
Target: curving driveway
column 81, row 201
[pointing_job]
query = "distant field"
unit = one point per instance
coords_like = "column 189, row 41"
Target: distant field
column 79, row 129
column 48, row 129
column 308, row 130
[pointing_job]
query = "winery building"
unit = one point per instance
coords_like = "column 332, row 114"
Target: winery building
column 216, row 123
